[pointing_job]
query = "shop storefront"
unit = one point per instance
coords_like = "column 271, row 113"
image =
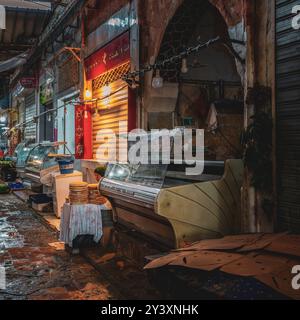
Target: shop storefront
column 30, row 113
column 111, row 109
column 46, row 121
column 68, row 93
column 111, row 104
column 65, row 121
column 25, row 104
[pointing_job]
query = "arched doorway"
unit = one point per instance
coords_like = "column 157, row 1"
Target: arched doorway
column 206, row 82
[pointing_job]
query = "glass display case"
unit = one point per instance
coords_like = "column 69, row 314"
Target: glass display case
column 136, row 193
column 39, row 163
column 162, row 175
column 20, row 156
column 21, row 153
column 166, row 204
column 152, row 176
column 38, row 158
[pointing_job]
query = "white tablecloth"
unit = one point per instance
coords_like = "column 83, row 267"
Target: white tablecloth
column 80, row 220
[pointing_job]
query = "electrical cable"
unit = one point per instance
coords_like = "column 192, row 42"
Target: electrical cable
column 39, row 3
column 63, row 106
column 131, row 76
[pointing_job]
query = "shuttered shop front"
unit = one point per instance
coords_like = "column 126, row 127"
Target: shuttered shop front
column 105, row 69
column 30, row 112
column 112, row 115
column 288, row 117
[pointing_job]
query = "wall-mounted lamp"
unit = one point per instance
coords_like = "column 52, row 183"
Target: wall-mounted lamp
column 88, row 94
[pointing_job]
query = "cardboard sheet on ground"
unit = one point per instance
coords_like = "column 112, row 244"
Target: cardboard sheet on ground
column 268, row 258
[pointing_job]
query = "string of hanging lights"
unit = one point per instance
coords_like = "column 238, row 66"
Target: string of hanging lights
column 157, row 82
column 49, row 112
column 131, row 78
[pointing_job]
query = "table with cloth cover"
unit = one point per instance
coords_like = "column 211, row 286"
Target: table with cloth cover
column 79, row 220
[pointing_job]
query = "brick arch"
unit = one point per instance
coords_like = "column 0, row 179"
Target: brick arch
column 160, row 14
column 181, row 29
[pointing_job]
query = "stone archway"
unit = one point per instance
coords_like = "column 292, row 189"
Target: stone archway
column 160, row 13
column 169, row 32
column 194, row 22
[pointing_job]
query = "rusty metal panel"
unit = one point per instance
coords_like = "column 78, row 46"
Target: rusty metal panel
column 265, row 257
column 206, row 260
column 288, row 245
column 281, row 281
column 166, row 260
column 255, row 264
column 261, row 243
column 227, row 243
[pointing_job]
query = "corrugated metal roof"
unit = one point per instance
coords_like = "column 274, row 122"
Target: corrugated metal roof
column 25, row 21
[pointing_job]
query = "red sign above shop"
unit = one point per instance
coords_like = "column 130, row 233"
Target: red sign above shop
column 109, row 57
column 28, row 82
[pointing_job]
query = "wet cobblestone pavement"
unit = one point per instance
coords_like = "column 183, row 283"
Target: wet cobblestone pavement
column 37, row 266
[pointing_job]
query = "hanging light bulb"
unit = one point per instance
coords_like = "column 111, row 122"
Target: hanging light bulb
column 49, row 117
column 88, row 94
column 157, row 81
column 184, row 66
column 133, row 85
column 96, row 113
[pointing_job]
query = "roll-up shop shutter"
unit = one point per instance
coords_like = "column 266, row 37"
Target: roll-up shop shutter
column 112, row 115
column 30, row 112
column 288, row 116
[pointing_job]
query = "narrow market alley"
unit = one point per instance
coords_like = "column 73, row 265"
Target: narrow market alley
column 150, row 151
column 38, row 267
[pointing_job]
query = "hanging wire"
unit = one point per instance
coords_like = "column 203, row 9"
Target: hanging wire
column 76, row 102
column 129, row 77
column 188, row 51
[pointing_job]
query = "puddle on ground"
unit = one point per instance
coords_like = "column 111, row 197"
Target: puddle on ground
column 9, row 236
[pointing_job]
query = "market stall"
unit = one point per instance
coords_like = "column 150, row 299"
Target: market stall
column 172, row 209
column 39, row 164
column 20, row 156
column 85, row 214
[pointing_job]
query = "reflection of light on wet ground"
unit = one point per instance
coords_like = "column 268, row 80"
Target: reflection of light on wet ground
column 9, row 235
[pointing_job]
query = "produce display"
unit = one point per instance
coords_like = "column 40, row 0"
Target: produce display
column 6, row 164
column 8, row 170
column 4, row 188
